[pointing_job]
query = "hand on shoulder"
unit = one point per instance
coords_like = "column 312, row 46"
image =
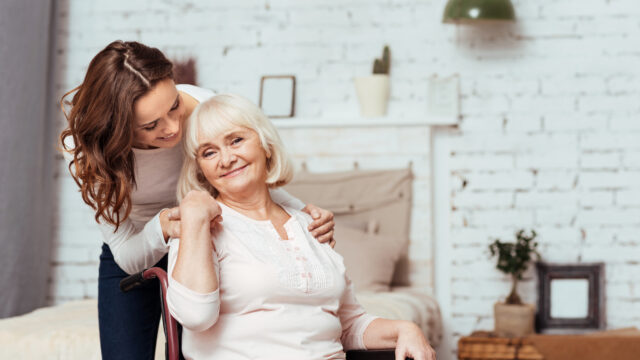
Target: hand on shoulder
column 199, row 206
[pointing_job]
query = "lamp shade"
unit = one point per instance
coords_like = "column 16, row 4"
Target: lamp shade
column 472, row 11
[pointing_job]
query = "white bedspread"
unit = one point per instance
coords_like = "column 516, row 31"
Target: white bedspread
column 70, row 331
column 406, row 304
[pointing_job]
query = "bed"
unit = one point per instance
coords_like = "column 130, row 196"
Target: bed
column 372, row 225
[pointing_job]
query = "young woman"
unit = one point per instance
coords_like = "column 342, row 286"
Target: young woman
column 125, row 125
column 261, row 279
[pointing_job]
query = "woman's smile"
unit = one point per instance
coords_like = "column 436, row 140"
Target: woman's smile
column 234, row 172
column 169, row 138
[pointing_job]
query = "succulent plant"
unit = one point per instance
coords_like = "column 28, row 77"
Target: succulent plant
column 381, row 66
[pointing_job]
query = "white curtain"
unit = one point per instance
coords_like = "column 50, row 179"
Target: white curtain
column 26, row 148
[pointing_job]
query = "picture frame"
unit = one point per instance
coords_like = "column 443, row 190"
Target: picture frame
column 443, row 99
column 278, row 95
column 570, row 297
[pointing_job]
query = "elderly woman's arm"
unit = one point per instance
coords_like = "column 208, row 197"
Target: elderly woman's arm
column 196, row 311
column 197, row 210
column 193, row 295
column 404, row 336
column 363, row 331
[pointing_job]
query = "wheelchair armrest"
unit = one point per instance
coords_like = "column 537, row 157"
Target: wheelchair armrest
column 387, row 354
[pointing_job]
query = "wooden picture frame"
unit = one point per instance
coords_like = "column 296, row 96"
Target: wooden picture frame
column 584, row 283
column 278, row 95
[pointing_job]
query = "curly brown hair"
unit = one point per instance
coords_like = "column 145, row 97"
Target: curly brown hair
column 101, row 125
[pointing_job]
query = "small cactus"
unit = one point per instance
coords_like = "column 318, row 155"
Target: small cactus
column 382, row 66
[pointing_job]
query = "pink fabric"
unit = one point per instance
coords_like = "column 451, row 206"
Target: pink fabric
column 278, row 299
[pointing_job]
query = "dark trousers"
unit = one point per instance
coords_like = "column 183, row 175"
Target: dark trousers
column 128, row 321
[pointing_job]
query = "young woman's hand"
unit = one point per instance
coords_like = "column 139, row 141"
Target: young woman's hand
column 170, row 223
column 412, row 344
column 322, row 226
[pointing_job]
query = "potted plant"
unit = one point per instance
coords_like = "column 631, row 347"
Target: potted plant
column 373, row 90
column 513, row 317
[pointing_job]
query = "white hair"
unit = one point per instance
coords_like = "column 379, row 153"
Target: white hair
column 218, row 115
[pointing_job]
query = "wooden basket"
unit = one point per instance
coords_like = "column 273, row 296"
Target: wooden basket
column 488, row 346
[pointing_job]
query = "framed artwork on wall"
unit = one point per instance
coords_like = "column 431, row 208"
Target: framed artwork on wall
column 570, row 297
column 278, row 95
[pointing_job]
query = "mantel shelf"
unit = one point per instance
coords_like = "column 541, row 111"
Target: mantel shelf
column 351, row 122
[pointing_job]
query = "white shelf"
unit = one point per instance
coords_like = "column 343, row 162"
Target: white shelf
column 386, row 121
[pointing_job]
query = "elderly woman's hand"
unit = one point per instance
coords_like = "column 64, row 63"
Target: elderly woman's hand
column 198, row 207
column 412, row 344
column 322, row 226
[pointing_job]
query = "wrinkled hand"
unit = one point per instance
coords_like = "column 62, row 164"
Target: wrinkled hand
column 412, row 344
column 197, row 205
column 322, row 226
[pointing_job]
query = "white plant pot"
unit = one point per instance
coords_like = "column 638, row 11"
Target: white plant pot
column 514, row 320
column 373, row 94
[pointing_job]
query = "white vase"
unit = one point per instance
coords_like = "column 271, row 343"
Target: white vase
column 373, row 94
column 514, row 320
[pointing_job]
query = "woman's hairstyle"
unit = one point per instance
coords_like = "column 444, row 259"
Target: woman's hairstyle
column 101, row 124
column 218, row 115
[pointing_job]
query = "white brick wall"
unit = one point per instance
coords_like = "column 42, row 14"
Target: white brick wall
column 549, row 137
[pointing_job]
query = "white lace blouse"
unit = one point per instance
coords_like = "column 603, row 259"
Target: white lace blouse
column 277, row 299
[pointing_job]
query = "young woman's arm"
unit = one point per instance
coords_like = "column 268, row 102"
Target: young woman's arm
column 135, row 250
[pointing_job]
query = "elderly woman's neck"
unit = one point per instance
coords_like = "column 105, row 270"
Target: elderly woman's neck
column 257, row 205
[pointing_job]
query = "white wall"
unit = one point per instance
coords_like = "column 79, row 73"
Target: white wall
column 549, row 136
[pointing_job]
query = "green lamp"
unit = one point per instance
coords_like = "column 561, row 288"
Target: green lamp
column 475, row 11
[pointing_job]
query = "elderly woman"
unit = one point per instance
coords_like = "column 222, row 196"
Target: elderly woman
column 257, row 285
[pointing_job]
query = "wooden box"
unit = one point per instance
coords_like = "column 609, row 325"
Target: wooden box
column 483, row 345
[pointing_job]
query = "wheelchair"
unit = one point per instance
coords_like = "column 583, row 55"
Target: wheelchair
column 173, row 335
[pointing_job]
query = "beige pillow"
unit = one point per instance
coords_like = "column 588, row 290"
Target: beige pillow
column 362, row 199
column 369, row 258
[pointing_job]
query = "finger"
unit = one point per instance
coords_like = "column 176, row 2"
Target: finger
column 326, row 238
column 400, row 353
column 216, row 220
column 326, row 217
column 173, row 213
column 321, row 229
column 216, row 229
column 312, row 210
column 332, row 243
column 415, row 355
column 174, row 229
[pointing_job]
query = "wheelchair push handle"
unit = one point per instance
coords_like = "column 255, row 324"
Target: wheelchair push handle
column 132, row 281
